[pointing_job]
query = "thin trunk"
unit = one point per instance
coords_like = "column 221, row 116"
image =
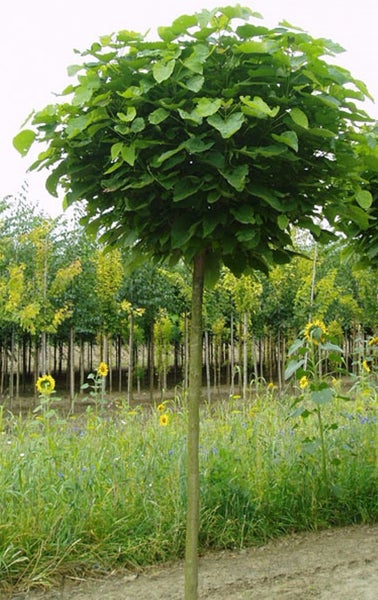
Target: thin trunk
column 131, row 358
column 245, row 355
column 186, row 353
column 43, row 353
column 207, row 362
column 11, row 369
column 119, row 362
column 255, row 359
column 279, row 361
column 232, row 355
column 18, row 351
column 72, row 366
column 151, row 361
column 82, row 361
column 195, row 384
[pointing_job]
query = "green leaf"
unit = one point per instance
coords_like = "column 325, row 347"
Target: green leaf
column 329, row 347
column 364, row 199
column 158, row 160
column 185, row 187
column 193, row 116
column 269, row 196
column 166, row 34
column 252, row 47
column 162, row 70
column 295, row 346
column 250, row 235
column 76, row 125
column 196, row 60
column 236, row 178
column 23, row 141
column 322, row 132
column 73, row 69
column 244, row 214
column 195, row 145
column 282, row 222
column 158, row 116
column 129, row 116
column 195, row 84
column 292, row 367
column 357, row 215
column 128, row 154
column 323, row 396
column 258, row 107
column 239, row 12
column 138, row 125
column 115, row 150
column 207, row 106
column 289, row 138
column 181, row 231
column 299, row 117
column 229, row 126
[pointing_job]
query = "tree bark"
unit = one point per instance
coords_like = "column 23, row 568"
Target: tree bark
column 195, row 385
column 245, row 355
column 130, row 370
column 71, row 363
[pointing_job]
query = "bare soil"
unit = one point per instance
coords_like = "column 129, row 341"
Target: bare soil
column 335, row 564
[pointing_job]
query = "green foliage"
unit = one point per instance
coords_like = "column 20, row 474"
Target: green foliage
column 218, row 137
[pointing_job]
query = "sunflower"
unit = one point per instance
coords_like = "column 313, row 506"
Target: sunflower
column 45, row 384
column 164, row 419
column 303, row 382
column 373, row 341
column 365, row 366
column 102, row 370
column 161, row 408
column 315, row 331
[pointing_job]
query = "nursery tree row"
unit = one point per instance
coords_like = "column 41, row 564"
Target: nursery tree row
column 67, row 303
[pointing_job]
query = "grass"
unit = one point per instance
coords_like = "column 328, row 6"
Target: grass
column 98, row 492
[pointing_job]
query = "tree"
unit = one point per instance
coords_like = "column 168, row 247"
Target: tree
column 208, row 144
column 366, row 242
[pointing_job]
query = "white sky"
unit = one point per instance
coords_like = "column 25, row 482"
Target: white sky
column 38, row 37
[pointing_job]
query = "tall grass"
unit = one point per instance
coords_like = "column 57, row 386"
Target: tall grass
column 101, row 492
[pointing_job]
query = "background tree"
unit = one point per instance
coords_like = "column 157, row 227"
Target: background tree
column 208, row 144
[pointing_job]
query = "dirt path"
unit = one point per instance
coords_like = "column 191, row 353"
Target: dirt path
column 338, row 564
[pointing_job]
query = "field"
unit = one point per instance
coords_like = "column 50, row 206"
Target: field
column 89, row 494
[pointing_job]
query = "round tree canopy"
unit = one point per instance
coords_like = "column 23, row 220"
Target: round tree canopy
column 219, row 137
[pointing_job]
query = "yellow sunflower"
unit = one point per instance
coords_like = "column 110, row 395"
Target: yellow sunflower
column 164, row 420
column 373, row 341
column 365, row 366
column 45, row 384
column 315, row 331
column 303, row 382
column 102, row 370
column 161, row 408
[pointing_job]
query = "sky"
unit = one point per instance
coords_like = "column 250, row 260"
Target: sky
column 38, row 38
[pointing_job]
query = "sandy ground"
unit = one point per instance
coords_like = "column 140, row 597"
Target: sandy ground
column 336, row 564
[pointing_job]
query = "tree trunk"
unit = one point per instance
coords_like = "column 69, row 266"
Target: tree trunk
column 207, row 359
column 232, row 356
column 245, row 355
column 43, row 353
column 71, row 363
column 186, row 352
column 131, row 359
column 119, row 362
column 195, row 384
